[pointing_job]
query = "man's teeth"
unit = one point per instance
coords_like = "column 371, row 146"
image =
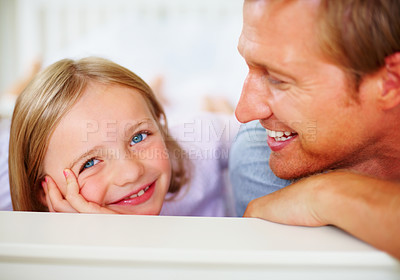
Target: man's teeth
column 140, row 193
column 281, row 135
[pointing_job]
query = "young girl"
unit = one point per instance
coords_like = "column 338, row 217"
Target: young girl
column 90, row 136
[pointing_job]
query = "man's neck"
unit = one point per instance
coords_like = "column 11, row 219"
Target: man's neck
column 383, row 168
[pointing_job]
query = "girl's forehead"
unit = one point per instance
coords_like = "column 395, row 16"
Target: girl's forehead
column 101, row 109
column 110, row 101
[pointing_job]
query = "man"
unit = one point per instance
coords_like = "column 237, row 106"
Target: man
column 324, row 82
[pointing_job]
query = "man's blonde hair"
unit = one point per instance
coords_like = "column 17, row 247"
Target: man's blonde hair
column 43, row 104
column 357, row 35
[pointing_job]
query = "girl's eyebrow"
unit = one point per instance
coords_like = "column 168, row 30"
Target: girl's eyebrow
column 130, row 128
column 92, row 151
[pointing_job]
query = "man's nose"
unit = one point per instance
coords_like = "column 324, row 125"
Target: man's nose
column 127, row 170
column 253, row 102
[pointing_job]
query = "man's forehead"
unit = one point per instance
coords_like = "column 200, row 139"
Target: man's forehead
column 272, row 8
column 279, row 24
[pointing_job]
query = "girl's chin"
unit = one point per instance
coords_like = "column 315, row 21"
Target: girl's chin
column 124, row 210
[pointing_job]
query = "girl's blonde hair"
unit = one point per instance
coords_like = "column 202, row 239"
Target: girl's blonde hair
column 43, row 104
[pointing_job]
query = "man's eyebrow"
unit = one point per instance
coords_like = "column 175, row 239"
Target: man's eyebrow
column 130, row 129
column 263, row 65
column 276, row 70
column 271, row 68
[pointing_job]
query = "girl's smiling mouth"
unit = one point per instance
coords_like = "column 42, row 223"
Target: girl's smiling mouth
column 138, row 197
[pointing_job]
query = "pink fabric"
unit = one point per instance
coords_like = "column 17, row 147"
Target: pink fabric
column 207, row 140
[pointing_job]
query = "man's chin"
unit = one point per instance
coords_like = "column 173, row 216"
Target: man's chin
column 289, row 172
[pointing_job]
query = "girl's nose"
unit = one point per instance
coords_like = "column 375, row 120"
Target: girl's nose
column 253, row 102
column 126, row 171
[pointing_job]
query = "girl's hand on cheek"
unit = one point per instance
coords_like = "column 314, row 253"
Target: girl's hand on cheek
column 54, row 198
column 77, row 201
column 73, row 201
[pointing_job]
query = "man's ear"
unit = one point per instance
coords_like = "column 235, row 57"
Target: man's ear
column 390, row 96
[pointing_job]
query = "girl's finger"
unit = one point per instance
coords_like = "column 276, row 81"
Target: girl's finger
column 55, row 198
column 72, row 195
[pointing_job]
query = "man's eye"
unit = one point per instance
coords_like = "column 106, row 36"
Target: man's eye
column 89, row 163
column 138, row 138
column 274, row 81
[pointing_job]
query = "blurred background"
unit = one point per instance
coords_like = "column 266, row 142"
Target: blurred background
column 187, row 48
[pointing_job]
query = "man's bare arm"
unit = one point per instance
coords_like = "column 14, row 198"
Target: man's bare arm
column 366, row 207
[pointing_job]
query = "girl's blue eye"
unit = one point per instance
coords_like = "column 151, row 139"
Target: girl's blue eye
column 138, row 138
column 90, row 163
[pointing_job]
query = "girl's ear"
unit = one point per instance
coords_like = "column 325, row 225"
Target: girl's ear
column 42, row 195
column 390, row 95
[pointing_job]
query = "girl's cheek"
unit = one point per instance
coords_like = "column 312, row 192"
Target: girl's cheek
column 92, row 190
column 164, row 159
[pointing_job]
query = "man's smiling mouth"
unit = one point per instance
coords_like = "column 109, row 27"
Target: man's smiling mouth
column 280, row 136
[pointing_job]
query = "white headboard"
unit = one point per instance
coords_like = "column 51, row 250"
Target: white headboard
column 47, row 25
column 194, row 40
